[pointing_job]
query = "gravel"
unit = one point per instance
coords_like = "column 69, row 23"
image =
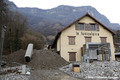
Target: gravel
column 51, row 75
column 14, row 76
column 46, row 64
column 46, row 59
column 41, row 59
column 106, row 69
column 16, row 57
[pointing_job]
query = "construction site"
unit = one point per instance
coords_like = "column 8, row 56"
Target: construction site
column 48, row 65
column 76, row 55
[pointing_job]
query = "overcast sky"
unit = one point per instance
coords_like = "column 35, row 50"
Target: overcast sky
column 109, row 8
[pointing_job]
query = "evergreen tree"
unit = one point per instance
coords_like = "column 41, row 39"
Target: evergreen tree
column 3, row 12
column 117, row 37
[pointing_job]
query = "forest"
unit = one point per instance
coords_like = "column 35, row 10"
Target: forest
column 18, row 34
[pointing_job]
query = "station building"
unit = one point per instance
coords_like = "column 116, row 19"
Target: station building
column 85, row 39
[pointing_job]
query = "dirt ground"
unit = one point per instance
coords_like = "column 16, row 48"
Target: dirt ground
column 46, row 59
column 41, row 59
column 17, row 57
column 39, row 75
column 50, row 75
column 45, row 63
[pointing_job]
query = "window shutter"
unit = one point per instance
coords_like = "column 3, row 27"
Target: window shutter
column 71, row 40
column 72, row 56
column 88, row 39
column 97, row 27
column 103, row 39
column 87, row 27
column 76, row 26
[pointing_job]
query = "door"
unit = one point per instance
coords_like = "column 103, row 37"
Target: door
column 93, row 53
column 72, row 56
column 106, row 56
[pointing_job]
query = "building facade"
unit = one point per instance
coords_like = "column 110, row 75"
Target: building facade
column 85, row 39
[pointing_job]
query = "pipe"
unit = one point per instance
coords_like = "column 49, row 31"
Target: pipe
column 29, row 52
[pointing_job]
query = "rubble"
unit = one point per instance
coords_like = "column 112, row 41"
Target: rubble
column 14, row 73
column 14, row 76
column 107, row 70
column 16, row 57
column 46, row 59
column 41, row 59
column 51, row 75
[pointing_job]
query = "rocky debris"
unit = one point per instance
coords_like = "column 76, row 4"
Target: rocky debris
column 108, row 70
column 41, row 59
column 16, row 57
column 14, row 76
column 50, row 75
column 16, row 69
column 14, row 73
column 46, row 59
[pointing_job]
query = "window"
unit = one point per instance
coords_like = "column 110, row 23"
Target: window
column 103, row 39
column 97, row 27
column 88, row 39
column 80, row 26
column 92, row 27
column 87, row 27
column 72, row 56
column 71, row 40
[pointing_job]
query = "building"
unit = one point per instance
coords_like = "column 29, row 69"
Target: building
column 85, row 39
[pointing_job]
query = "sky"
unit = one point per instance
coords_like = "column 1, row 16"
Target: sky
column 109, row 8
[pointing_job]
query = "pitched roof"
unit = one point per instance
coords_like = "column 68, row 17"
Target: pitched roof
column 87, row 14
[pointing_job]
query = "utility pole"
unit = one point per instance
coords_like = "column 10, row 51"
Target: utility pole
column 1, row 43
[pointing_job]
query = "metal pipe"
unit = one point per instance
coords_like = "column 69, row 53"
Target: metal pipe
column 109, row 51
column 1, row 43
column 87, row 52
column 29, row 52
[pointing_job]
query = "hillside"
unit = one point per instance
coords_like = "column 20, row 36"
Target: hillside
column 50, row 21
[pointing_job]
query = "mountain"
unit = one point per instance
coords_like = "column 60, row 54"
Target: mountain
column 50, row 21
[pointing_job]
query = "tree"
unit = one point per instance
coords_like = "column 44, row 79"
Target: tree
column 18, row 34
column 16, row 27
column 3, row 12
column 32, row 37
column 117, row 37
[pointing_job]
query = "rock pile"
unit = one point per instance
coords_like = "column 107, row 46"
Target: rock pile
column 16, row 57
column 14, row 76
column 41, row 59
column 45, row 59
column 103, row 70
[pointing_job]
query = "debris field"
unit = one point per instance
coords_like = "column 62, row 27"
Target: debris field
column 46, row 60
column 96, row 70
